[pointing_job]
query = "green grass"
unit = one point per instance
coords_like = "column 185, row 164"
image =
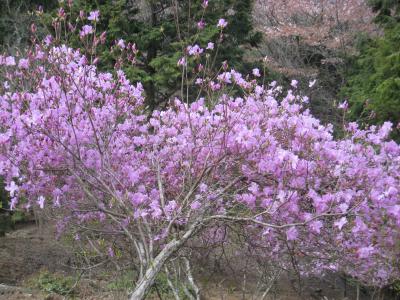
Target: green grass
column 54, row 283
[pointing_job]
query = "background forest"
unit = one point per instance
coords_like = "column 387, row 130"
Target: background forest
column 349, row 47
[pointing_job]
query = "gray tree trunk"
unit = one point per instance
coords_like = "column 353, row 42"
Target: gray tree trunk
column 155, row 266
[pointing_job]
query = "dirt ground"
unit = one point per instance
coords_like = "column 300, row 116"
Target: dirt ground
column 26, row 250
column 29, row 251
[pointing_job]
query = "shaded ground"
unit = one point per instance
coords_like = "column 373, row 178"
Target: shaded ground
column 28, row 255
column 26, row 250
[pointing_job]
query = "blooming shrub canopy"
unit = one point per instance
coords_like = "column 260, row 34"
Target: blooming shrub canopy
column 75, row 139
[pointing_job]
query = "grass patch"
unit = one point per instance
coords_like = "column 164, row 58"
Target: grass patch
column 54, row 283
column 125, row 282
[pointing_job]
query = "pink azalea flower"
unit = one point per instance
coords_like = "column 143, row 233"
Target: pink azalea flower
column 94, row 16
column 344, row 105
column 41, row 201
column 222, row 23
column 12, row 188
column 182, row 61
column 201, row 24
column 195, row 205
column 194, row 50
column 292, row 234
column 10, row 61
column 23, row 63
column 340, row 223
column 365, row 252
column 121, row 44
column 111, row 252
column 86, row 30
column 256, row 72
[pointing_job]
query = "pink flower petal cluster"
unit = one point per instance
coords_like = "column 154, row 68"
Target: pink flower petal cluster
column 194, row 50
column 94, row 16
column 222, row 23
column 86, row 30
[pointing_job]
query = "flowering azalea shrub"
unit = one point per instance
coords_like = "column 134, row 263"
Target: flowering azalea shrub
column 76, row 140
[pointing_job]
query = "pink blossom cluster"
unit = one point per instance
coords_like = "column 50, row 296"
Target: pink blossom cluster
column 77, row 140
column 194, row 50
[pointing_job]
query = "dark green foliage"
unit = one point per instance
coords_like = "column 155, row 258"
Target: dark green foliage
column 387, row 11
column 5, row 223
column 374, row 85
column 16, row 16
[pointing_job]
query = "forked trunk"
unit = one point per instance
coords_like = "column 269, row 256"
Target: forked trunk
column 152, row 271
